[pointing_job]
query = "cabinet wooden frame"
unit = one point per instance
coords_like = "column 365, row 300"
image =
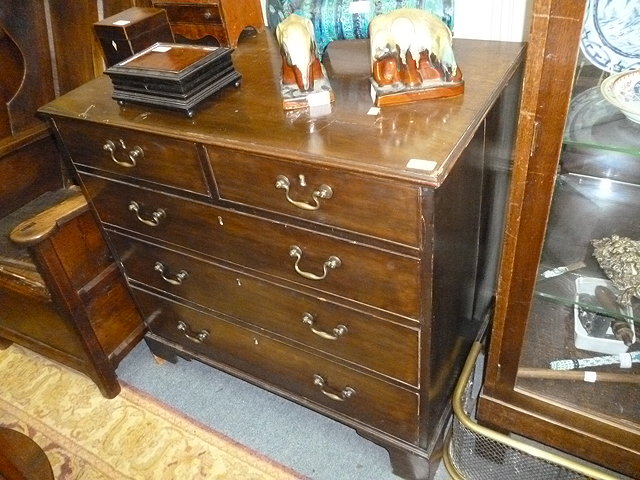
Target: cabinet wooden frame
column 549, row 75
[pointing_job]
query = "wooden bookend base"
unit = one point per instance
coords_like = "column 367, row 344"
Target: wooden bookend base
column 388, row 96
column 293, row 98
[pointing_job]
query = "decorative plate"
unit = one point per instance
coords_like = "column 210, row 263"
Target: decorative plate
column 593, row 120
column 623, row 91
column 611, row 34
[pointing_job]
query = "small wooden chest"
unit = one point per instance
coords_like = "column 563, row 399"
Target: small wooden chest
column 131, row 31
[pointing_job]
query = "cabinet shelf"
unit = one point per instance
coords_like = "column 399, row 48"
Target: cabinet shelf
column 595, row 123
column 565, row 291
column 585, row 208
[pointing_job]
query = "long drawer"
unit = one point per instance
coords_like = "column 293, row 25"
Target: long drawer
column 139, row 155
column 356, row 395
column 389, row 211
column 382, row 346
column 372, row 276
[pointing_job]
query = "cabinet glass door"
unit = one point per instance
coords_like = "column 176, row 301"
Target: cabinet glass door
column 582, row 344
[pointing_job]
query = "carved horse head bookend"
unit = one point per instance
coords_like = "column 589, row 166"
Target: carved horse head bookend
column 304, row 80
column 412, row 58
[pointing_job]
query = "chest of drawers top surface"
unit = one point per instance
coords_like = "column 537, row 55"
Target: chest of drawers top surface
column 251, row 117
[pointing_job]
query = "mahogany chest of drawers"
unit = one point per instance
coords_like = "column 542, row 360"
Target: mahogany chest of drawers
column 340, row 259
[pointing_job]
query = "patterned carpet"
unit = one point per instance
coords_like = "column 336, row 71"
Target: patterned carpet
column 86, row 436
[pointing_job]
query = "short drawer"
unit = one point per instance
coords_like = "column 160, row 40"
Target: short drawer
column 373, row 343
column 134, row 154
column 208, row 14
column 382, row 209
column 362, row 397
column 357, row 272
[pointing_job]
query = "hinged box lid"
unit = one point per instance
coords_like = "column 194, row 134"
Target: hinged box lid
column 131, row 23
column 131, row 31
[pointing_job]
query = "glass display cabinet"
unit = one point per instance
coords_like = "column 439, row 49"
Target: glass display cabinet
column 562, row 366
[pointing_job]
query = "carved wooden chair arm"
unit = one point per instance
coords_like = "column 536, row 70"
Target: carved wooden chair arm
column 37, row 228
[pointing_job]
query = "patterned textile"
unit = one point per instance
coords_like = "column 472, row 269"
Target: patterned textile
column 131, row 437
column 334, row 20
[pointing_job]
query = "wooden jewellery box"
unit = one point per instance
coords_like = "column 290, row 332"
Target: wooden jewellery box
column 131, row 31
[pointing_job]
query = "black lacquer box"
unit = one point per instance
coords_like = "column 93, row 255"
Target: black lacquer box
column 172, row 75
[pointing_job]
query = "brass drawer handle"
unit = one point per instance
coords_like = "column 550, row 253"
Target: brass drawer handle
column 324, row 191
column 339, row 331
column 331, row 263
column 156, row 216
column 135, row 154
column 178, row 278
column 345, row 394
column 199, row 337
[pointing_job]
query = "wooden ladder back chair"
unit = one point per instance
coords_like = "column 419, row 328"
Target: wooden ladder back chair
column 61, row 293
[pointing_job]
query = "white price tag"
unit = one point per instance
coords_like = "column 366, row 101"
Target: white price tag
column 374, row 111
column 161, row 49
column 319, row 110
column 421, row 164
column 121, row 23
column 590, row 377
column 625, row 360
column 319, row 98
column 359, row 7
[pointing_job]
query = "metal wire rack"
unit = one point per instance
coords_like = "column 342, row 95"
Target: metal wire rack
column 474, row 452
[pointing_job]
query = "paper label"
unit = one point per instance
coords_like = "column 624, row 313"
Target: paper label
column 421, row 164
column 359, row 7
column 121, row 23
column 319, row 110
column 625, row 360
column 319, row 98
column 161, row 49
column 590, row 377
column 374, row 111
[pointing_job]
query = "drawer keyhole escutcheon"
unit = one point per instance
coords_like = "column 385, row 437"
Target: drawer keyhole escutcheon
column 135, row 154
column 156, row 216
column 331, row 263
column 339, row 331
column 178, row 278
column 323, row 191
column 339, row 396
column 198, row 337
